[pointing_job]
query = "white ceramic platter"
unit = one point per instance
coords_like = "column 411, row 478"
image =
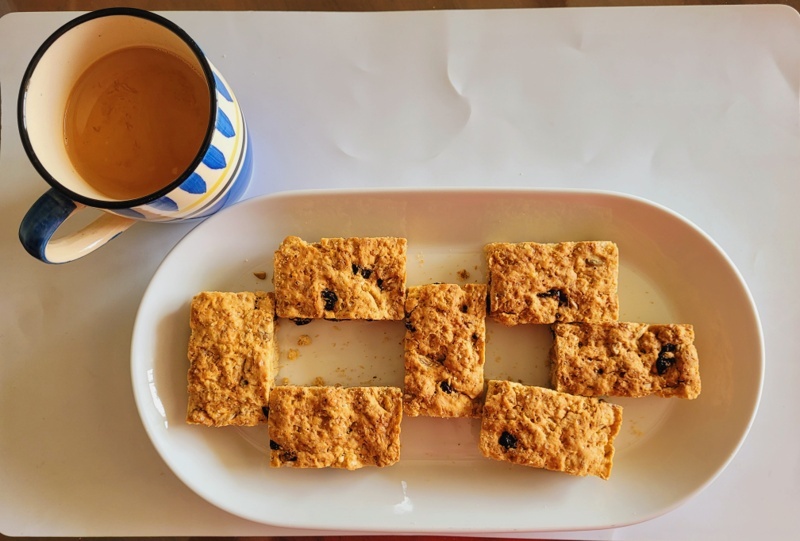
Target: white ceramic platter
column 668, row 449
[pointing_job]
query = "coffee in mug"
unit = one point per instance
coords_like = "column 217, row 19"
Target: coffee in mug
column 135, row 120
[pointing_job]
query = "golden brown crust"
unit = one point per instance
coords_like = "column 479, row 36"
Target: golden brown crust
column 341, row 278
column 547, row 283
column 543, row 428
column 625, row 359
column 444, row 350
column 232, row 358
column 338, row 427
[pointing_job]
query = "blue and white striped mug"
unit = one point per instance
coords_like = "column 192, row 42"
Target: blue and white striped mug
column 217, row 175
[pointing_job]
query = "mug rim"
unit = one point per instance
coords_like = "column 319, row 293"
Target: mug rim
column 207, row 72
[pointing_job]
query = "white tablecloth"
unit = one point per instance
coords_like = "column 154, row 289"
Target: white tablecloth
column 695, row 108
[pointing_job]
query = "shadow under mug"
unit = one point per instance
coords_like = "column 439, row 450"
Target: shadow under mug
column 217, row 176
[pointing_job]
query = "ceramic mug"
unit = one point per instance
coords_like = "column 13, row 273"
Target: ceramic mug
column 216, row 175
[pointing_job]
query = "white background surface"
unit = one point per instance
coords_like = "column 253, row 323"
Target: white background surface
column 694, row 108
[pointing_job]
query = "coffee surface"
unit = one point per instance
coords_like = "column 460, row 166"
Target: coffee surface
column 135, row 121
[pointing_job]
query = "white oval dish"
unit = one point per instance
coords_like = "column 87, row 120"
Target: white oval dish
column 667, row 451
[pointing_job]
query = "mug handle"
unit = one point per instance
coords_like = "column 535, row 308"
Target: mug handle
column 46, row 216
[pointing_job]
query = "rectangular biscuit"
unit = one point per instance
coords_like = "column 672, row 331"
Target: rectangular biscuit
column 341, row 278
column 543, row 428
column 233, row 357
column 625, row 359
column 548, row 283
column 339, row 427
column 444, row 350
